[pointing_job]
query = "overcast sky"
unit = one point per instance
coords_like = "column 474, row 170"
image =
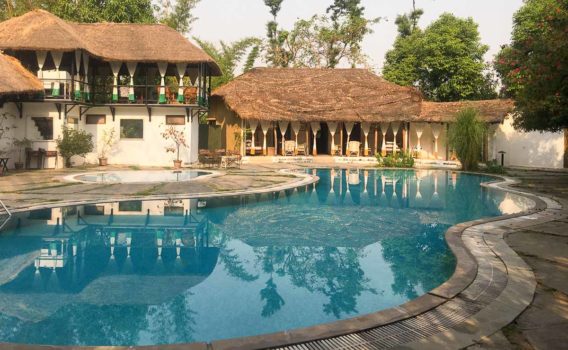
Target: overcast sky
column 231, row 20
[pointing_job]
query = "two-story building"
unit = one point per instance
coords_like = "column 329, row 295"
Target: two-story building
column 135, row 79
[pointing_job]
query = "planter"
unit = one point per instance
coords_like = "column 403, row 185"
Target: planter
column 18, row 165
column 177, row 164
column 103, row 161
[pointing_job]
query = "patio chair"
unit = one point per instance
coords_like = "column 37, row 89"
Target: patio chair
column 302, row 150
column 289, row 148
column 354, row 148
column 336, row 150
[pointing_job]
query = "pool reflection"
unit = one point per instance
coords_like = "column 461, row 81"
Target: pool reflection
column 171, row 271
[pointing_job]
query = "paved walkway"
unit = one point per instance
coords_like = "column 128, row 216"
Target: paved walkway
column 47, row 187
column 544, row 247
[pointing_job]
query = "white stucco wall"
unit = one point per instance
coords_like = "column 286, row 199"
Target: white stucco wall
column 527, row 149
column 151, row 149
column 148, row 151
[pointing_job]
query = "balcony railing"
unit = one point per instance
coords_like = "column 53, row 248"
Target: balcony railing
column 78, row 91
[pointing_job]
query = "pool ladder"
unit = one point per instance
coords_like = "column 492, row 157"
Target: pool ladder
column 5, row 215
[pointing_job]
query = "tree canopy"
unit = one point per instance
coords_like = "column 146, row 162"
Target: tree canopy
column 229, row 55
column 88, row 11
column 445, row 60
column 177, row 15
column 534, row 66
column 320, row 41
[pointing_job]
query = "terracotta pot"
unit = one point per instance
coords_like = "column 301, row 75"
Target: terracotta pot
column 103, row 161
column 19, row 165
column 177, row 164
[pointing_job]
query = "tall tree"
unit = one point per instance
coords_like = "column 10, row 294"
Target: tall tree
column 320, row 41
column 180, row 15
column 228, row 56
column 534, row 66
column 276, row 53
column 445, row 60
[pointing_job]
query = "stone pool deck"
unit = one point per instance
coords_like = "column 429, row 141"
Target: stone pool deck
column 477, row 309
column 30, row 189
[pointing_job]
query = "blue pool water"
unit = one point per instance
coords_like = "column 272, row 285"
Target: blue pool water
column 174, row 271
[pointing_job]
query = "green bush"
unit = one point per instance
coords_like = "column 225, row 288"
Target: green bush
column 494, row 167
column 397, row 160
column 74, row 143
column 466, row 137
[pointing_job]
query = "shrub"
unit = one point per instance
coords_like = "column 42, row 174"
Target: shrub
column 494, row 167
column 466, row 138
column 397, row 160
column 74, row 143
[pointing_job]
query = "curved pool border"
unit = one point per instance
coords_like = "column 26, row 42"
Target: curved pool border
column 490, row 287
column 74, row 177
column 302, row 179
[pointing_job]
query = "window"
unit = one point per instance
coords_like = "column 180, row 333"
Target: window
column 72, row 121
column 96, row 119
column 175, row 120
column 131, row 129
column 130, row 206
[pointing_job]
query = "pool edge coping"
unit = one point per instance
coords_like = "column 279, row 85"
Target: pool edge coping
column 302, row 179
column 464, row 275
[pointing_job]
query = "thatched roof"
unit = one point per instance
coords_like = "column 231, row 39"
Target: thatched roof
column 490, row 111
column 306, row 95
column 41, row 30
column 15, row 79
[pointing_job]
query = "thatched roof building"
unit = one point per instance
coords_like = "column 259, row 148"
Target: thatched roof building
column 40, row 30
column 348, row 95
column 309, row 95
column 490, row 111
column 15, row 79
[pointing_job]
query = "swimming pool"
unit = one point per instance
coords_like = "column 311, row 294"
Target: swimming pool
column 176, row 271
column 140, row 176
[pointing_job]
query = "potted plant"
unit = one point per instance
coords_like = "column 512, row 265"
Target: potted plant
column 107, row 141
column 21, row 146
column 74, row 143
column 178, row 138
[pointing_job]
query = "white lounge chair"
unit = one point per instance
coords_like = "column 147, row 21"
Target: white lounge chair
column 289, row 148
column 354, row 148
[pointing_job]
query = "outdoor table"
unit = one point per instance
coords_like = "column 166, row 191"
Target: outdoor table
column 4, row 165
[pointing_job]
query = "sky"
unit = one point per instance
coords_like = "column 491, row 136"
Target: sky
column 231, row 20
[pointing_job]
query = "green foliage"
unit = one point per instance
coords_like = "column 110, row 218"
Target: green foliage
column 74, row 143
column 494, row 167
column 534, row 67
column 179, row 16
column 228, row 57
column 398, row 160
column 445, row 60
column 88, row 11
column 320, row 41
column 466, row 137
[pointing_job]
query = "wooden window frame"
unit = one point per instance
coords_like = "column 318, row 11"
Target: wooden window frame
column 99, row 118
column 181, row 117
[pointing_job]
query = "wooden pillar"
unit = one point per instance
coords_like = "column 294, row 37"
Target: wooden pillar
column 341, row 134
column 447, row 142
column 376, row 140
column 404, row 138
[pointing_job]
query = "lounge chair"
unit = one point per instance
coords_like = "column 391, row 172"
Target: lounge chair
column 302, row 150
column 289, row 148
column 354, row 148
